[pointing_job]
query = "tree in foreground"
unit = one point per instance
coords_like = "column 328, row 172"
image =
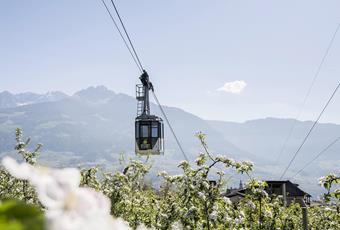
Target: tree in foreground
column 195, row 199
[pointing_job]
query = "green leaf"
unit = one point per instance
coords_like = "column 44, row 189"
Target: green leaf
column 16, row 215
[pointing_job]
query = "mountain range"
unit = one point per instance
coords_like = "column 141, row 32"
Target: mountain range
column 9, row 100
column 95, row 126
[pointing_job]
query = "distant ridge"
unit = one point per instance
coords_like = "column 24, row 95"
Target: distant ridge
column 95, row 125
column 9, row 100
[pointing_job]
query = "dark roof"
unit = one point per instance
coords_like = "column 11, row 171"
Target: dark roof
column 235, row 195
column 235, row 192
column 292, row 188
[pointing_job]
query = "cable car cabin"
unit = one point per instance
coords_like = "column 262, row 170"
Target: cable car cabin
column 149, row 135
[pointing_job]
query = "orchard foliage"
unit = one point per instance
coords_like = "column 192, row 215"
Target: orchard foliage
column 193, row 199
column 331, row 183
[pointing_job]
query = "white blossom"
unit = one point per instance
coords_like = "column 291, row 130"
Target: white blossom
column 201, row 195
column 177, row 226
column 251, row 205
column 68, row 207
column 227, row 200
column 213, row 215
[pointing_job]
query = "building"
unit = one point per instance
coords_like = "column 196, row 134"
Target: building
column 289, row 191
column 286, row 189
column 235, row 195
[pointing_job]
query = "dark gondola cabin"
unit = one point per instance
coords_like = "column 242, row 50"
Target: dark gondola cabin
column 149, row 129
column 149, row 135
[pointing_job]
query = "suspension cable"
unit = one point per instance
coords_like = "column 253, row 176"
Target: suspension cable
column 283, row 148
column 170, row 126
column 309, row 132
column 317, row 156
column 136, row 59
column 127, row 35
column 121, row 35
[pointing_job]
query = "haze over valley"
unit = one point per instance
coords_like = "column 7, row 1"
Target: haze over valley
column 95, row 127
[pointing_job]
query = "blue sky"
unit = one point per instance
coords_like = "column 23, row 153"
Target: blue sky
column 191, row 49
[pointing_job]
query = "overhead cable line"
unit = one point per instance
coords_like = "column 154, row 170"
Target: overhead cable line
column 140, row 67
column 121, row 35
column 172, row 130
column 127, row 35
column 318, row 70
column 317, row 156
column 309, row 132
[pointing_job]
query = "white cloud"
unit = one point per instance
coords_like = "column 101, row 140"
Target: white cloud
column 233, row 87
